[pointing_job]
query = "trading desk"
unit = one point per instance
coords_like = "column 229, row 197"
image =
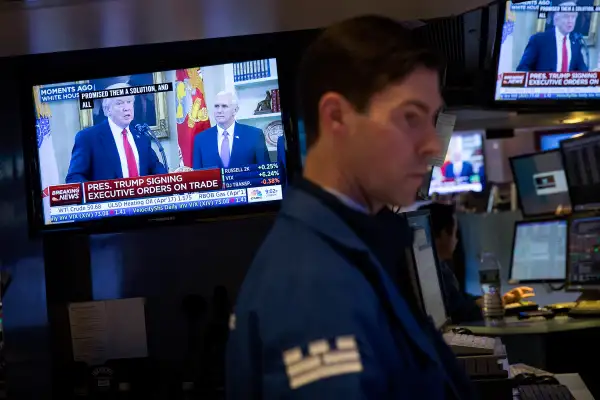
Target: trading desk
column 559, row 345
column 533, row 326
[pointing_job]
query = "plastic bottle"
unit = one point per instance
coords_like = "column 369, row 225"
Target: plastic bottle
column 489, row 277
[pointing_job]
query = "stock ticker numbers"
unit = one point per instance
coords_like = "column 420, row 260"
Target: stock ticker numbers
column 253, row 175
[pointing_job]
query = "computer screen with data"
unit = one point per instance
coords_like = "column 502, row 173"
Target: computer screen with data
column 583, row 270
column 427, row 269
column 581, row 161
column 539, row 251
column 541, row 183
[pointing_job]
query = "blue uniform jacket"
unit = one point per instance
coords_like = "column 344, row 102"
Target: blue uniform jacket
column 318, row 318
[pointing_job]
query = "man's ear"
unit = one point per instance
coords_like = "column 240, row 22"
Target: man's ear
column 333, row 110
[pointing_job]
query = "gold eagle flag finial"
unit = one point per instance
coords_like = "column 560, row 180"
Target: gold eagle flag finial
column 196, row 79
column 42, row 110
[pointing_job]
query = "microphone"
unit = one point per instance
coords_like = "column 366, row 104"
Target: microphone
column 585, row 52
column 144, row 129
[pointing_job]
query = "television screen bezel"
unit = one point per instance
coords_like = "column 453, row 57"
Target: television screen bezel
column 91, row 64
column 514, row 240
column 519, row 200
column 539, row 134
column 541, row 105
column 483, row 183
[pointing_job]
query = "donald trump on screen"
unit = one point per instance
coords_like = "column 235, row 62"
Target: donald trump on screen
column 113, row 149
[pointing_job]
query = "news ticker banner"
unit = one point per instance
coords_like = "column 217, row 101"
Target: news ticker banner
column 550, row 79
column 545, row 7
column 76, row 91
column 161, row 204
column 166, row 184
column 86, row 99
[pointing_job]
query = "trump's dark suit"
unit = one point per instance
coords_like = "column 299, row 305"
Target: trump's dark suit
column 466, row 170
column 540, row 53
column 248, row 148
column 95, row 156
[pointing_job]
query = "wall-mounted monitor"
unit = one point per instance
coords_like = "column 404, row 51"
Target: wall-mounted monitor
column 463, row 169
column 158, row 144
column 548, row 51
column 541, row 183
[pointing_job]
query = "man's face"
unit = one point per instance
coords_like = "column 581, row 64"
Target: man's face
column 225, row 110
column 388, row 148
column 121, row 111
column 565, row 21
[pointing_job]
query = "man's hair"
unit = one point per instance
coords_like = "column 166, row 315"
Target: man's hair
column 106, row 103
column 358, row 58
column 441, row 216
column 234, row 98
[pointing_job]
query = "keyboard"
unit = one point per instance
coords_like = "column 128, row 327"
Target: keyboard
column 544, row 392
column 586, row 309
column 483, row 368
column 470, row 345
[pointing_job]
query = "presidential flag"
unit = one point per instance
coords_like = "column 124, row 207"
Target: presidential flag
column 505, row 62
column 48, row 166
column 191, row 111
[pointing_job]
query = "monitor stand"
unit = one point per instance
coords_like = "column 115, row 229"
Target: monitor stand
column 589, row 295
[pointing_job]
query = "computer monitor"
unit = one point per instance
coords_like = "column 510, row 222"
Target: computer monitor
column 541, row 183
column 551, row 140
column 581, row 162
column 583, row 267
column 428, row 274
column 539, row 252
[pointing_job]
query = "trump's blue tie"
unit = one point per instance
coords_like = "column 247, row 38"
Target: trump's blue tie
column 225, row 150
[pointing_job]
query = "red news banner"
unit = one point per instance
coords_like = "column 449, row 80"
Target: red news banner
column 133, row 188
column 550, row 79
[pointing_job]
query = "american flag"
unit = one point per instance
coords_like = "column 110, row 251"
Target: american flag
column 42, row 129
column 507, row 29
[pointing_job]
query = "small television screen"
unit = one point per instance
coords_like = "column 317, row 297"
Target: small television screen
column 157, row 143
column 548, row 50
column 541, row 183
column 551, row 141
column 463, row 169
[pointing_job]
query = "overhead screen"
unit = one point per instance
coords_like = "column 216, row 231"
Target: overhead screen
column 541, row 183
column 463, row 169
column 549, row 50
column 156, row 143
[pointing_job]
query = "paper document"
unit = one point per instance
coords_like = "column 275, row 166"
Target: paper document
column 105, row 330
column 445, row 127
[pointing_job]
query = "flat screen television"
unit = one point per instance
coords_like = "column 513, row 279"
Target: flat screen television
column 158, row 144
column 548, row 52
column 463, row 169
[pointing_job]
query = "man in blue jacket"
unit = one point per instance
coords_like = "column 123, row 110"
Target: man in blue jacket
column 318, row 315
column 462, row 306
